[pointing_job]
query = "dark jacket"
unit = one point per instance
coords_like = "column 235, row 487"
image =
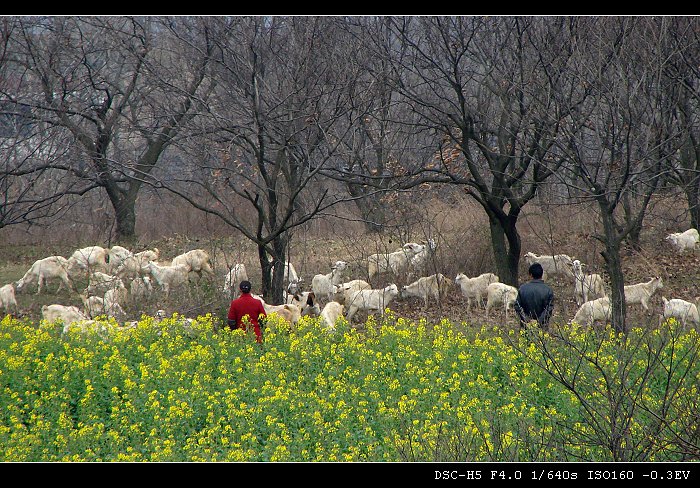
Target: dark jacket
column 246, row 306
column 535, row 301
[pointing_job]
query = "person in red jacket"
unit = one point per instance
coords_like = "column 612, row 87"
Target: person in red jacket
column 246, row 310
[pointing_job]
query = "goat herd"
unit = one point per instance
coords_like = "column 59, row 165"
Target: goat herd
column 108, row 271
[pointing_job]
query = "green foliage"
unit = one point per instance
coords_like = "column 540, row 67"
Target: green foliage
column 397, row 390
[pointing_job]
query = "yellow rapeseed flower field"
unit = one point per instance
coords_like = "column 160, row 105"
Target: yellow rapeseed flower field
column 393, row 390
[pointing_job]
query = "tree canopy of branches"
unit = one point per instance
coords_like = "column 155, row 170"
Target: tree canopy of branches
column 482, row 87
column 682, row 72
column 29, row 195
column 620, row 135
column 282, row 92
column 118, row 88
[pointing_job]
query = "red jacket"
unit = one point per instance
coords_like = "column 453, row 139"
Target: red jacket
column 248, row 306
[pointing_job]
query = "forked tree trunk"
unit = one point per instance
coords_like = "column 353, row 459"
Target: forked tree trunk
column 506, row 245
column 613, row 262
column 692, row 191
column 272, row 286
column 125, row 215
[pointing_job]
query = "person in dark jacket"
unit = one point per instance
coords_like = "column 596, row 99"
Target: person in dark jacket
column 535, row 299
column 247, row 310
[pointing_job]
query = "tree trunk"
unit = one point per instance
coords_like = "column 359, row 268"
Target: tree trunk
column 691, row 193
column 279, row 244
column 505, row 242
column 273, row 286
column 265, row 275
column 514, row 248
column 125, row 215
column 633, row 235
column 371, row 210
column 613, row 262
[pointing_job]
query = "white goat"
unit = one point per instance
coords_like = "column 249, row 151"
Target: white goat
column 233, row 278
column 322, row 284
column 293, row 288
column 684, row 241
column 148, row 254
column 475, row 289
column 682, row 310
column 396, row 262
column 113, row 309
column 306, row 301
column 641, row 293
column 116, row 255
column 593, row 311
column 344, row 291
column 330, row 314
column 196, row 261
column 418, row 264
column 557, row 265
column 433, row 287
column 84, row 326
column 499, row 294
column 586, row 287
column 115, row 297
column 288, row 311
column 101, row 327
column 99, row 282
column 91, row 258
column 134, row 266
column 7, row 298
column 141, row 288
column 65, row 313
column 372, row 300
column 46, row 269
column 108, row 304
column 168, row 277
column 129, row 268
column 93, row 305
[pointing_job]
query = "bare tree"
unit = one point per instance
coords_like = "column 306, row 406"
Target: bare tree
column 380, row 141
column 614, row 394
column 282, row 92
column 682, row 68
column 31, row 193
column 120, row 87
column 482, row 87
column 619, row 137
